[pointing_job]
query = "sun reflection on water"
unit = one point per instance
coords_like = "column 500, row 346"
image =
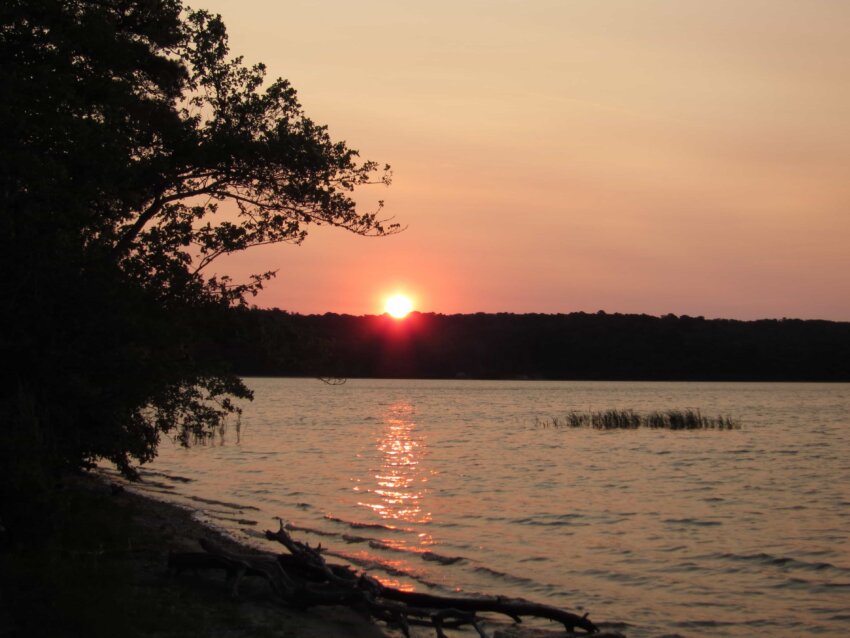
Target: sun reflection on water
column 400, row 480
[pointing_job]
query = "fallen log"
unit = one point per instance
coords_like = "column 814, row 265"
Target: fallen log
column 515, row 608
column 237, row 566
column 303, row 578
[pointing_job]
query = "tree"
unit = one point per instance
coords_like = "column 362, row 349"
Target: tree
column 125, row 125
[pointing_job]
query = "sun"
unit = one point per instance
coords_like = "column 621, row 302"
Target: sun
column 398, row 306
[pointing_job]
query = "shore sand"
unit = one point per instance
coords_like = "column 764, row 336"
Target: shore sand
column 180, row 531
column 106, row 573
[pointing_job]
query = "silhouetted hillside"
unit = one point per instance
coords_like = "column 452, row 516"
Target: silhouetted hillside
column 537, row 346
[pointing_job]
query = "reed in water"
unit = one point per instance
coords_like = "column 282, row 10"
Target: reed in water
column 630, row 420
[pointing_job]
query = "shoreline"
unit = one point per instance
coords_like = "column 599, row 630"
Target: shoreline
column 106, row 566
column 181, row 530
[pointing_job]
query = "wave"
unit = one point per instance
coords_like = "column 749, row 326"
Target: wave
column 170, row 477
column 535, row 559
column 511, row 578
column 620, row 577
column 439, row 558
column 810, row 586
column 550, row 520
column 840, row 616
column 374, row 543
column 764, row 558
column 373, row 563
column 309, row 530
column 212, row 501
column 358, row 525
column 691, row 521
column 755, row 622
column 426, row 555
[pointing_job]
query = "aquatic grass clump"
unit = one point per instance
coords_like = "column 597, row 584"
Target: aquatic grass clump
column 631, row 420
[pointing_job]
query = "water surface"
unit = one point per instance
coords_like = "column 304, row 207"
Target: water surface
column 450, row 486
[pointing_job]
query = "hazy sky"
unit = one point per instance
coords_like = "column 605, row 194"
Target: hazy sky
column 685, row 156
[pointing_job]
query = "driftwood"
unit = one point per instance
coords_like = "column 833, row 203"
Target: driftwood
column 303, row 578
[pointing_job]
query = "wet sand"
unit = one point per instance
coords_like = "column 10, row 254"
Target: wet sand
column 176, row 529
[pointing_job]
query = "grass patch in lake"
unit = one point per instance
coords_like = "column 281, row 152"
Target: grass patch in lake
column 631, row 420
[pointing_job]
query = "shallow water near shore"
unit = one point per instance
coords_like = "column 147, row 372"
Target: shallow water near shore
column 454, row 486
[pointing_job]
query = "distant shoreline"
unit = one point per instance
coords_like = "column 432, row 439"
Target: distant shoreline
column 569, row 347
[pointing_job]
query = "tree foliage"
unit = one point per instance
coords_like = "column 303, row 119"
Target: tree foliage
column 135, row 152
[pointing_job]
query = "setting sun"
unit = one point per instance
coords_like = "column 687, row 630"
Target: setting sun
column 398, row 306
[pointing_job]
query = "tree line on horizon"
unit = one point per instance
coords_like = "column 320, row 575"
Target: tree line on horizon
column 575, row 346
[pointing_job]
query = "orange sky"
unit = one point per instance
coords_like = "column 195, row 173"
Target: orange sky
column 648, row 156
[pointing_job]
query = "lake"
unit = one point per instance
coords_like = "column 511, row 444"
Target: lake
column 455, row 486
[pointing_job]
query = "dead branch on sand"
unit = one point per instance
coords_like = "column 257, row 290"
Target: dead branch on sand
column 302, row 578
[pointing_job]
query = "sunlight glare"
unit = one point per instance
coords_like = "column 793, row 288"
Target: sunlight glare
column 398, row 306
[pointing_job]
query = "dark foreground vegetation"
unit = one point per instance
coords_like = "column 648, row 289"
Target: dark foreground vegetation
column 536, row 346
column 135, row 150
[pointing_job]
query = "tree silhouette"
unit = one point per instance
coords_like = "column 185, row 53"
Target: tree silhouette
column 125, row 125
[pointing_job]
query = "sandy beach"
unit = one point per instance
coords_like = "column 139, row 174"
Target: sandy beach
column 108, row 566
column 179, row 531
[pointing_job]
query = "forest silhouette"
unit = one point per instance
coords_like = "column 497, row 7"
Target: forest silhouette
column 578, row 346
